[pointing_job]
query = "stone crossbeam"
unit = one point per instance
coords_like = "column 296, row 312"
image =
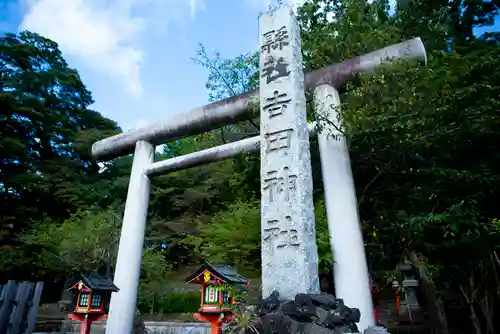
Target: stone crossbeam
column 203, row 157
column 236, row 109
column 213, row 154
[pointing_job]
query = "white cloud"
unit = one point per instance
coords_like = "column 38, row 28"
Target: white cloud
column 195, row 6
column 106, row 34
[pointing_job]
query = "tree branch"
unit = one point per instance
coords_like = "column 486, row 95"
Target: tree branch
column 380, row 172
column 411, row 141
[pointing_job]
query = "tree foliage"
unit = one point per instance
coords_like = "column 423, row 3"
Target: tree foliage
column 45, row 133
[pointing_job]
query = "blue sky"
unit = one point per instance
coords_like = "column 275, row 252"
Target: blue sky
column 135, row 55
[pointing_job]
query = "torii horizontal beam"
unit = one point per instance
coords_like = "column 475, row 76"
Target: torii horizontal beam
column 235, row 109
column 213, row 154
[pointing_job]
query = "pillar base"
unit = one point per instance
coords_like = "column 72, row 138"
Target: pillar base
column 215, row 320
column 86, row 320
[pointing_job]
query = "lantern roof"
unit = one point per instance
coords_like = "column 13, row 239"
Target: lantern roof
column 95, row 283
column 222, row 272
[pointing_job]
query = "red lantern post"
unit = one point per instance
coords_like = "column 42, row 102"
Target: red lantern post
column 216, row 298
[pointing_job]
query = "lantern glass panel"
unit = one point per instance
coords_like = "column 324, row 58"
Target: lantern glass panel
column 84, row 300
column 211, row 295
column 96, row 301
column 225, row 297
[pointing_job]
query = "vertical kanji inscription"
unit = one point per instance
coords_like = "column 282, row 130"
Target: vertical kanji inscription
column 289, row 251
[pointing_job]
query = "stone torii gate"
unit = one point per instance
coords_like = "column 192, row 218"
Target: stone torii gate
column 289, row 251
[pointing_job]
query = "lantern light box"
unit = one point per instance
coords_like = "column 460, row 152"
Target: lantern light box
column 92, row 294
column 214, row 280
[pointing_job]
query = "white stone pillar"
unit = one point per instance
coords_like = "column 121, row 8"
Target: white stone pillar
column 350, row 268
column 289, row 251
column 128, row 263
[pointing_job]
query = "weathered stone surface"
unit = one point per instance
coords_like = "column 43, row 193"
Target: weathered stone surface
column 313, row 313
column 376, row 330
column 289, row 251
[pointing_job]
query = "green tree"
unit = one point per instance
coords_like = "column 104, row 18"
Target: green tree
column 442, row 22
column 154, row 277
column 86, row 242
column 45, row 132
column 233, row 236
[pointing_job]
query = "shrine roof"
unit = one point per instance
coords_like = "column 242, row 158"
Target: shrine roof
column 222, row 271
column 96, row 283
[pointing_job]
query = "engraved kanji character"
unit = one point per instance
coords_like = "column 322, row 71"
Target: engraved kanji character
column 274, row 69
column 271, row 231
column 268, row 41
column 288, row 238
column 281, row 38
column 276, row 104
column 270, row 184
column 278, row 140
column 286, row 183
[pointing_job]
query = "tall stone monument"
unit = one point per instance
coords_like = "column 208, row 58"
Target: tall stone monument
column 289, row 251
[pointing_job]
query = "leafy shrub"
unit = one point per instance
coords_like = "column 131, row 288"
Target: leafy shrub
column 176, row 302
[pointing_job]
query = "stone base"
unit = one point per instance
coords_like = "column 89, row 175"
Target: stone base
column 307, row 313
column 376, row 330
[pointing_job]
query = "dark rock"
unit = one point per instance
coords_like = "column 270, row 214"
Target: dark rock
column 339, row 302
column 301, row 309
column 315, row 313
column 342, row 310
column 268, row 304
column 324, row 300
column 333, row 320
column 276, row 324
column 355, row 315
